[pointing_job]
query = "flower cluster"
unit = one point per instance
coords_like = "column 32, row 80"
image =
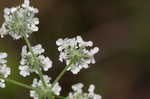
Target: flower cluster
column 18, row 20
column 4, row 70
column 45, row 91
column 27, row 62
column 79, row 94
column 75, row 52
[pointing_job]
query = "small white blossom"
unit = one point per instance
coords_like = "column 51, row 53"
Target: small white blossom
column 26, row 3
column 2, row 83
column 77, row 87
column 2, row 58
column 25, row 70
column 34, row 94
column 38, row 84
column 18, row 20
column 91, row 94
column 4, row 70
column 27, row 61
column 79, row 94
column 46, row 62
column 56, row 89
column 76, row 52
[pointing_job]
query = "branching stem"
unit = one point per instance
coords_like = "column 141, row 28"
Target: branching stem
column 19, row 84
column 61, row 74
column 35, row 59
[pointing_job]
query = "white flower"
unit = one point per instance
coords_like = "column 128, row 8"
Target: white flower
column 18, row 20
column 27, row 61
column 56, row 89
column 46, row 62
column 26, row 3
column 2, row 83
column 77, row 87
column 38, row 84
column 76, row 52
column 25, row 71
column 2, row 58
column 91, row 94
column 79, row 94
column 34, row 94
column 38, row 49
column 4, row 70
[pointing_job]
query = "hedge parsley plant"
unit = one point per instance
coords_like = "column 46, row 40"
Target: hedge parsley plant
column 20, row 23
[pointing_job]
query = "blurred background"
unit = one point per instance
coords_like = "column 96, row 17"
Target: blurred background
column 119, row 27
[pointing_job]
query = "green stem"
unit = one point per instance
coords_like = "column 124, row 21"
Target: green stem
column 19, row 84
column 61, row 74
column 35, row 59
column 50, row 96
column 42, row 97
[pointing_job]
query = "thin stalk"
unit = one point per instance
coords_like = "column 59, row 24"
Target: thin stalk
column 61, row 74
column 35, row 59
column 20, row 84
column 50, row 96
column 42, row 97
